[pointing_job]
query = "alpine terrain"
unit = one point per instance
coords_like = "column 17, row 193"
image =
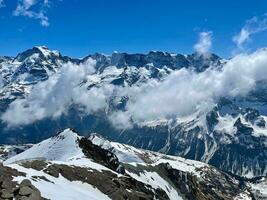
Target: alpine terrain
column 183, row 126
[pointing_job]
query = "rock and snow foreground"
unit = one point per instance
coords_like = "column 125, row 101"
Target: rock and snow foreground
column 68, row 166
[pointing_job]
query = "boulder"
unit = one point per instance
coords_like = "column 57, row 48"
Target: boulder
column 25, row 191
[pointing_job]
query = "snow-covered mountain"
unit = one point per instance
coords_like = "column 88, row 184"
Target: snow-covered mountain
column 68, row 166
column 230, row 136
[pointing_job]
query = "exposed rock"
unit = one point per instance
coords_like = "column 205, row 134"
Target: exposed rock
column 10, row 189
column 7, row 193
column 25, row 182
column 100, row 155
column 35, row 195
column 36, row 164
column 25, row 191
column 7, row 184
column 116, row 187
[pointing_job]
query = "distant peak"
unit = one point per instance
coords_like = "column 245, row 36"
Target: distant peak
column 41, row 47
column 42, row 51
column 46, row 51
column 159, row 53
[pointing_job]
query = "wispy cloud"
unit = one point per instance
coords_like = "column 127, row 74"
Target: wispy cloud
column 2, row 3
column 35, row 9
column 251, row 27
column 204, row 43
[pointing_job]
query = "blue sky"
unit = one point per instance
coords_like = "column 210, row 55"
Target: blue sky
column 81, row 27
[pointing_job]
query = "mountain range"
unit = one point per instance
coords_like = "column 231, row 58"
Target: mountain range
column 43, row 92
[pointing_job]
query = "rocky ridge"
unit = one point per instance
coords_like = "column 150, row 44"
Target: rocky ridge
column 110, row 170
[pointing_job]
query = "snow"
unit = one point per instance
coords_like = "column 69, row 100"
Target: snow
column 243, row 196
column 32, row 58
column 82, row 161
column 111, row 71
column 259, row 131
column 181, row 164
column 260, row 188
column 60, row 188
column 61, row 148
column 153, row 179
column 125, row 153
column 226, row 124
column 46, row 52
column 130, row 155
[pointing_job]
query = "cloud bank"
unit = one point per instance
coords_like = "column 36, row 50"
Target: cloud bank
column 182, row 93
column 52, row 98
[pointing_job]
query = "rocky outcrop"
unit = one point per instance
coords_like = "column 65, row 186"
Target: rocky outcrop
column 10, row 189
column 116, row 187
column 116, row 170
column 100, row 155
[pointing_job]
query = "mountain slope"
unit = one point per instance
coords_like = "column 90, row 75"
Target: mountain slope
column 100, row 169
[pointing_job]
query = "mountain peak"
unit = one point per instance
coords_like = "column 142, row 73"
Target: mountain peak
column 46, row 51
column 41, row 52
column 67, row 134
column 60, row 148
column 42, row 47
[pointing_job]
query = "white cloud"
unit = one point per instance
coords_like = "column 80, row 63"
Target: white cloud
column 121, row 120
column 184, row 92
column 27, row 8
column 52, row 98
column 180, row 94
column 252, row 26
column 204, row 43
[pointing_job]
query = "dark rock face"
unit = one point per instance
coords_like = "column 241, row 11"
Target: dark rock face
column 211, row 187
column 201, row 63
column 100, row 155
